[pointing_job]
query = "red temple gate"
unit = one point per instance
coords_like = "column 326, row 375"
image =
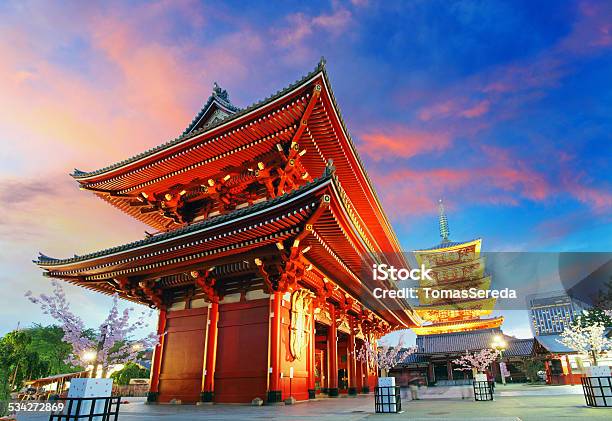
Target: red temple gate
column 256, row 264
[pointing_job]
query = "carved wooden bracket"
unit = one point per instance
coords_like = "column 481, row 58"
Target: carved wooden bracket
column 207, row 284
column 152, row 293
column 274, row 172
column 323, row 293
column 343, row 307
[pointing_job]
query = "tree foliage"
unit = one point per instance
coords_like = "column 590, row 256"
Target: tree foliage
column 48, row 343
column 589, row 339
column 532, row 367
column 32, row 353
column 130, row 371
column 109, row 343
column 479, row 360
column 593, row 316
column 384, row 357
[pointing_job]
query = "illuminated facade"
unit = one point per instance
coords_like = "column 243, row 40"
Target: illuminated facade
column 456, row 266
column 256, row 262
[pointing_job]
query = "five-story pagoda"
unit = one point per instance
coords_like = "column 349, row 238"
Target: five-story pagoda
column 264, row 218
column 456, row 268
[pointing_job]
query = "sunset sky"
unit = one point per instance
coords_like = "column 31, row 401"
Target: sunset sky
column 501, row 108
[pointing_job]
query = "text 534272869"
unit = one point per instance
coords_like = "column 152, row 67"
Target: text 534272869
column 35, row 406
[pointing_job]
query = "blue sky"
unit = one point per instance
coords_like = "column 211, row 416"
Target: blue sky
column 499, row 107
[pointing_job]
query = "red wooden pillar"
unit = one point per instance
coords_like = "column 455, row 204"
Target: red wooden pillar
column 157, row 358
column 351, row 363
column 332, row 343
column 359, row 368
column 274, row 386
column 208, row 387
column 364, row 378
column 311, row 357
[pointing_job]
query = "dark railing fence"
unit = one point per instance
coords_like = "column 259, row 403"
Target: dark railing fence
column 483, row 391
column 90, row 409
column 597, row 391
column 387, row 399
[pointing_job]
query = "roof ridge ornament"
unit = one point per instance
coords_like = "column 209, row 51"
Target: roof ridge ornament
column 443, row 222
column 322, row 63
column 44, row 257
column 220, row 92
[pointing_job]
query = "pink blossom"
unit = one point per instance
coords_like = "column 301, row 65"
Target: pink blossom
column 479, row 360
column 384, row 357
column 112, row 338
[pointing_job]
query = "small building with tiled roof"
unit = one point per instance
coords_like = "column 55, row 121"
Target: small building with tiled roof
column 432, row 363
column 562, row 364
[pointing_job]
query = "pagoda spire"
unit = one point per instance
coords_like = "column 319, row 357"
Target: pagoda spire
column 443, row 221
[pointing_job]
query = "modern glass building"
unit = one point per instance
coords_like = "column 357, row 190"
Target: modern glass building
column 551, row 312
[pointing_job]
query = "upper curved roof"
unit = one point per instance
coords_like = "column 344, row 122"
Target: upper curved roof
column 176, row 159
column 188, row 133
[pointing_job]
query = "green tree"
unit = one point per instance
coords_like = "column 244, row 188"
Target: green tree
column 531, row 370
column 7, row 362
column 130, row 371
column 47, row 342
column 32, row 353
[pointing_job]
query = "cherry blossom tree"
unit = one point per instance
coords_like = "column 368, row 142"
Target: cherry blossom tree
column 107, row 345
column 478, row 360
column 385, row 357
column 589, row 339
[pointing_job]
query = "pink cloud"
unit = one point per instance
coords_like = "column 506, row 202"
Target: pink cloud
column 138, row 90
column 334, row 23
column 454, row 107
column 578, row 186
column 401, row 142
column 513, row 174
column 442, row 109
column 508, row 88
column 301, row 26
column 504, row 180
column 477, row 110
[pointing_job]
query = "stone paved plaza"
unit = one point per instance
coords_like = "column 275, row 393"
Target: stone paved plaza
column 515, row 402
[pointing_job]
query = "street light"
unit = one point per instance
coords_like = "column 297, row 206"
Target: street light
column 500, row 345
column 89, row 356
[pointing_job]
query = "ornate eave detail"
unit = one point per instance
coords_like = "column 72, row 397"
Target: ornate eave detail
column 264, row 178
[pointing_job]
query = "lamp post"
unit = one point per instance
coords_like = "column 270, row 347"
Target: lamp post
column 500, row 345
column 93, row 355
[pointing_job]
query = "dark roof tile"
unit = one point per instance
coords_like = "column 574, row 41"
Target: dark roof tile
column 471, row 341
